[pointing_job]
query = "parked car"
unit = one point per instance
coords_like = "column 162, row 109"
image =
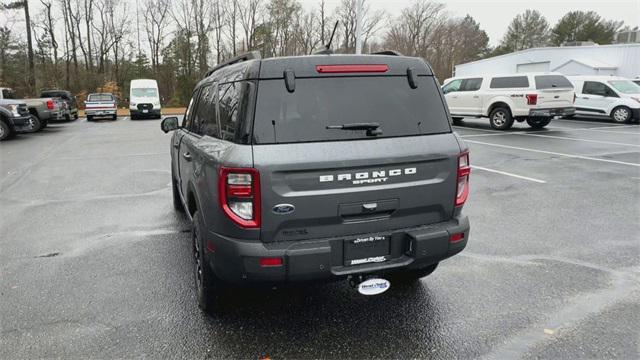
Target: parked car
column 67, row 97
column 14, row 117
column 314, row 168
column 607, row 96
column 101, row 105
column 144, row 99
column 533, row 97
column 44, row 109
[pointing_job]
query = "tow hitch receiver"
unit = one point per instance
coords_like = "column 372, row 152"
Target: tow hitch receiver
column 369, row 286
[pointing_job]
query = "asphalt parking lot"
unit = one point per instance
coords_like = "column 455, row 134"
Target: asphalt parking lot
column 94, row 263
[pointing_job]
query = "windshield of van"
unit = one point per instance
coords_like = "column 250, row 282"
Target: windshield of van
column 144, row 92
column 8, row 94
column 318, row 103
column 625, row 86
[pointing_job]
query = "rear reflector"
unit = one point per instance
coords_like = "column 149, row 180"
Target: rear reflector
column 341, row 69
column 456, row 237
column 267, row 262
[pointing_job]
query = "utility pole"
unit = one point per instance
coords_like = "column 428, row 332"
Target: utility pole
column 359, row 16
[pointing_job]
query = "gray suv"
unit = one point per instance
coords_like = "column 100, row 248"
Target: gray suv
column 318, row 167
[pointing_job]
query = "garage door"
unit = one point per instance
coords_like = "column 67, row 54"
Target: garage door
column 533, row 67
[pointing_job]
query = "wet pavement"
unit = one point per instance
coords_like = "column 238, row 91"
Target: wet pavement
column 94, row 262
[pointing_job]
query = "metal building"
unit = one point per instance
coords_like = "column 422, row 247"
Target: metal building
column 616, row 59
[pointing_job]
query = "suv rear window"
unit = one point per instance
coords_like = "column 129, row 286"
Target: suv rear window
column 100, row 97
column 303, row 116
column 552, row 82
column 60, row 94
column 509, row 82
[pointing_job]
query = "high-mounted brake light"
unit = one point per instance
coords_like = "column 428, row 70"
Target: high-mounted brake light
column 363, row 68
column 532, row 99
column 239, row 195
column 464, row 169
column 50, row 104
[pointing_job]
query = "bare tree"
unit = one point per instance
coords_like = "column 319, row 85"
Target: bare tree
column 156, row 23
column 371, row 24
column 24, row 4
column 248, row 11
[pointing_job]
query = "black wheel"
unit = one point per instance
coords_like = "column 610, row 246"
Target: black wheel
column 133, row 117
column 208, row 286
column 457, row 120
column 5, row 130
column 410, row 276
column 500, row 118
column 35, row 124
column 621, row 114
column 538, row 123
column 89, row 118
column 114, row 117
column 67, row 117
column 75, row 117
column 177, row 202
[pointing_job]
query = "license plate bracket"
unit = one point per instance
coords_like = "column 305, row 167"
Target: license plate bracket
column 366, row 249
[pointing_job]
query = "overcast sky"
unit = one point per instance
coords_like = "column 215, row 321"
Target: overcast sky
column 494, row 15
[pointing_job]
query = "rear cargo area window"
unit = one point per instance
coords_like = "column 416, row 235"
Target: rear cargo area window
column 552, row 82
column 303, row 116
column 509, row 82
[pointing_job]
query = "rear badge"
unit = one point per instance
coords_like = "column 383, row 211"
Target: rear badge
column 373, row 286
column 283, row 209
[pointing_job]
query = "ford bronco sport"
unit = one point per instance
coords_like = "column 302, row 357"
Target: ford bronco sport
column 318, row 167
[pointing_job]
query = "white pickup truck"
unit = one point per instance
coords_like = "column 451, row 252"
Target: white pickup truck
column 101, row 105
column 533, row 97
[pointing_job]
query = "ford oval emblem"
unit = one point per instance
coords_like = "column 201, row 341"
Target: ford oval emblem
column 284, row 209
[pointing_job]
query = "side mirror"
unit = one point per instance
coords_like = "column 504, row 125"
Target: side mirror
column 169, row 124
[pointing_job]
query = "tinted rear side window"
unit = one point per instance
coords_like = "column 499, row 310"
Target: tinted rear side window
column 228, row 96
column 552, row 81
column 509, row 82
column 303, row 116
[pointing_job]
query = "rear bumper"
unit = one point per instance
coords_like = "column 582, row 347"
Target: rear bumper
column 551, row 112
column 238, row 261
column 101, row 112
column 140, row 113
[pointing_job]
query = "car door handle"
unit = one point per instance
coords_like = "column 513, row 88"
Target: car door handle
column 187, row 156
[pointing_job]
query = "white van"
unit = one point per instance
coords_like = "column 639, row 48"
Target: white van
column 144, row 99
column 607, row 96
column 532, row 97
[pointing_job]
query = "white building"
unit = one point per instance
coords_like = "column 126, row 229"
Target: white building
column 617, row 59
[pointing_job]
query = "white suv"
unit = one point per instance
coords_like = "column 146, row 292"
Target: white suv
column 608, row 96
column 534, row 97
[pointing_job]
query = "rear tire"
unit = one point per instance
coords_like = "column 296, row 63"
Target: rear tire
column 500, row 118
column 621, row 114
column 89, row 118
column 413, row 275
column 114, row 117
column 538, row 123
column 208, row 286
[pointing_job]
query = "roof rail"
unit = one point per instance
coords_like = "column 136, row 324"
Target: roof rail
column 387, row 52
column 252, row 55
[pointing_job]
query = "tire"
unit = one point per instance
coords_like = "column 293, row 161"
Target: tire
column 411, row 276
column 89, row 118
column 500, row 118
column 133, row 117
column 538, row 123
column 114, row 118
column 35, row 124
column 457, row 120
column 208, row 287
column 5, row 130
column 621, row 114
column 67, row 117
column 177, row 202
column 75, row 117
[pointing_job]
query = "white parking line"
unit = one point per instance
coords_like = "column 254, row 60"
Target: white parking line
column 508, row 174
column 555, row 153
column 576, row 139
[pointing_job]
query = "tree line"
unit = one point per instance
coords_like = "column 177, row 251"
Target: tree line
column 100, row 45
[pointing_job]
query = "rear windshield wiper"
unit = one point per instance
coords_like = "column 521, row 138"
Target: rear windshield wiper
column 372, row 128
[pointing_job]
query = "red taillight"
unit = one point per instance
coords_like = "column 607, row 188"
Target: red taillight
column 267, row 262
column 50, row 104
column 364, row 68
column 456, row 237
column 532, row 99
column 239, row 195
column 464, row 169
